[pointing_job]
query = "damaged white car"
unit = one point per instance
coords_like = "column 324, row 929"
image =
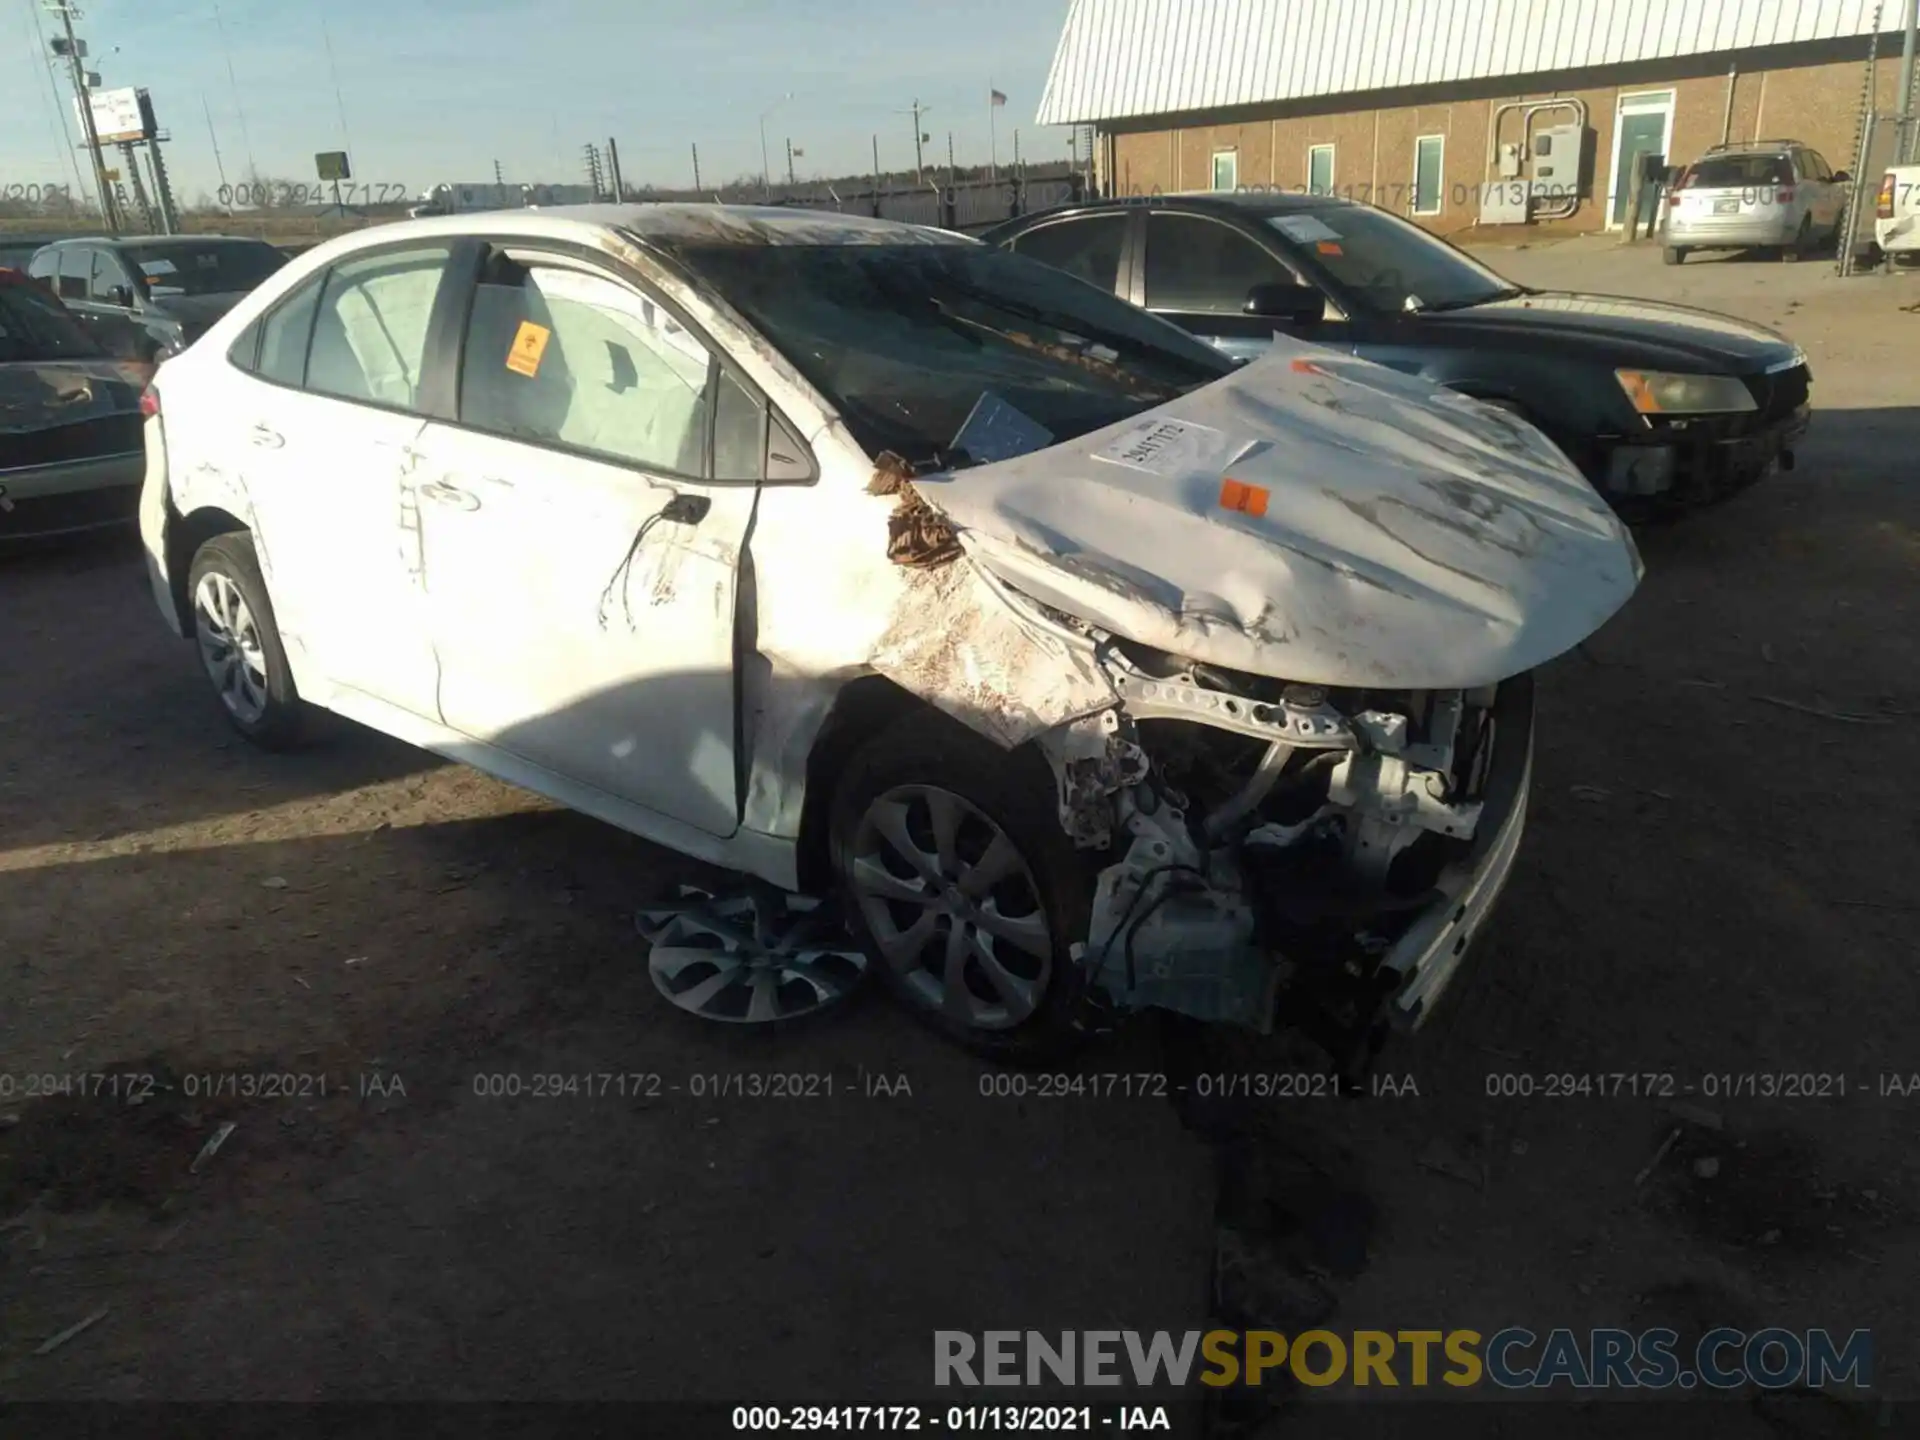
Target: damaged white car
column 1086, row 671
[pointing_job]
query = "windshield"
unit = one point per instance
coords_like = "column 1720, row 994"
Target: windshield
column 1384, row 263
column 208, row 267
column 35, row 326
column 905, row 340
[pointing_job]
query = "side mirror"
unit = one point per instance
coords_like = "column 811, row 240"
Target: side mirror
column 1295, row 304
column 120, row 295
column 1841, row 177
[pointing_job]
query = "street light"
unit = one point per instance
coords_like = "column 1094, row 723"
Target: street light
column 766, row 174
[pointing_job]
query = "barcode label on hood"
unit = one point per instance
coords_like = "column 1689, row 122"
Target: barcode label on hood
column 1164, row 446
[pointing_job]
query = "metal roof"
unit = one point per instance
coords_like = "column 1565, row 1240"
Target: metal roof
column 1119, row 59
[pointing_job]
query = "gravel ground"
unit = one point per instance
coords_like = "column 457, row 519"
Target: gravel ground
column 1716, row 883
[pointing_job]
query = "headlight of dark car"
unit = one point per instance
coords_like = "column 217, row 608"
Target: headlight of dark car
column 1659, row 392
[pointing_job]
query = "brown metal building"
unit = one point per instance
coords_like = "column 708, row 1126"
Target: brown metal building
column 1436, row 109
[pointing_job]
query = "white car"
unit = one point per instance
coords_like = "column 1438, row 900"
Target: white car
column 1090, row 672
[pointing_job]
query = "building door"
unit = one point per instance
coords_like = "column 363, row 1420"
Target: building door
column 1643, row 125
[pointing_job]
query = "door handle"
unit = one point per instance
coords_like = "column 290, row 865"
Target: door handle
column 445, row 494
column 267, row 438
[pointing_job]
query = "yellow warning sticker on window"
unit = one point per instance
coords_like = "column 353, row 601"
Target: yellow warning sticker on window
column 529, row 344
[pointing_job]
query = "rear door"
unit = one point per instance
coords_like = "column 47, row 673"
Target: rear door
column 1198, row 272
column 582, row 524
column 324, row 432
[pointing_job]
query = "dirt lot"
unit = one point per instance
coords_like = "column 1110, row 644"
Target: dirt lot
column 1717, row 883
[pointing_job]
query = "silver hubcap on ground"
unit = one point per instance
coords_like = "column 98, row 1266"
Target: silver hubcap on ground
column 749, row 958
column 952, row 907
column 230, row 646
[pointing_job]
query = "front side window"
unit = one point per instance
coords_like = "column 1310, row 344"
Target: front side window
column 370, row 336
column 1088, row 248
column 107, row 273
column 1381, row 262
column 76, row 272
column 905, row 340
column 1196, row 264
column 560, row 357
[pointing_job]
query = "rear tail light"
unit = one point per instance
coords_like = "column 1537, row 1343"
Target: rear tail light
column 1883, row 206
column 1785, row 197
column 149, row 403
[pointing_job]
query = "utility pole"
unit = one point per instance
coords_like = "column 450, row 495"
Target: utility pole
column 613, row 165
column 919, row 138
column 1904, row 95
column 951, row 178
column 109, row 213
column 791, row 182
column 696, row 166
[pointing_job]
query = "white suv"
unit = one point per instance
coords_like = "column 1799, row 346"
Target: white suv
column 1088, row 672
column 1761, row 194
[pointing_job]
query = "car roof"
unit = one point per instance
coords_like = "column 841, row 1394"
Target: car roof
column 1256, row 203
column 668, row 224
column 145, row 241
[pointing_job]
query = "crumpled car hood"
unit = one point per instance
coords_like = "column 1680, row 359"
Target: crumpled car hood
column 39, row 395
column 1310, row 517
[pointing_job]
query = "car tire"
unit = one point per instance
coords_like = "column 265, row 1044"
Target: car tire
column 1802, row 245
column 1673, row 255
column 972, row 933
column 239, row 643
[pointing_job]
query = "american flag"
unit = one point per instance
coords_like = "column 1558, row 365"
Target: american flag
column 994, row 97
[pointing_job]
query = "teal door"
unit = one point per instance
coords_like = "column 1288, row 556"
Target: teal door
column 1642, row 134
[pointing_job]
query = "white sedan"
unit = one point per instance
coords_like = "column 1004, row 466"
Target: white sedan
column 1090, row 673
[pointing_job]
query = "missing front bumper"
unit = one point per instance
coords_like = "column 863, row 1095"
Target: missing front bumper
column 1214, row 934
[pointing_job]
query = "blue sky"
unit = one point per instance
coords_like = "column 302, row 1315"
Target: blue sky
column 439, row 92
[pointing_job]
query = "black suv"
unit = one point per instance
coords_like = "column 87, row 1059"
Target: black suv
column 168, row 288
column 1660, row 406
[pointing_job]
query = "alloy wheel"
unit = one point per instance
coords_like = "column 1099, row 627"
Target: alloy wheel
column 952, row 906
column 230, row 646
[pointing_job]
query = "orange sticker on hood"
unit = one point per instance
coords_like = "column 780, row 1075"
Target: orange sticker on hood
column 1242, row 498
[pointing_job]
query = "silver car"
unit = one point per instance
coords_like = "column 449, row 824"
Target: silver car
column 1763, row 194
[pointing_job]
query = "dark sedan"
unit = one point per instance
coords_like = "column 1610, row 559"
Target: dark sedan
column 166, row 289
column 71, row 447
column 1662, row 407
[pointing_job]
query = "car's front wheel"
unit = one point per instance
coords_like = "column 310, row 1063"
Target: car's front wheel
column 962, row 886
column 239, row 645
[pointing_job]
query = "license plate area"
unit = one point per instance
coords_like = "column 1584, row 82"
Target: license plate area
column 1726, row 207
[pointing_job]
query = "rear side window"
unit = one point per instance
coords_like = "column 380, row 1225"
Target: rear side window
column 370, row 335
column 1088, row 248
column 285, row 334
column 1740, row 172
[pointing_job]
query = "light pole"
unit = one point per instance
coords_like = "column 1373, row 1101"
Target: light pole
column 766, row 173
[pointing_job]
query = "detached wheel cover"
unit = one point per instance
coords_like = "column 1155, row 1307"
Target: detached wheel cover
column 952, row 906
column 230, row 646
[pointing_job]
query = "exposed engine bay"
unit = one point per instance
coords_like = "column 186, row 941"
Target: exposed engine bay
column 1275, row 844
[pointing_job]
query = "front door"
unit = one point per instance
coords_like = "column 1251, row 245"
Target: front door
column 1640, row 128
column 580, row 565
column 324, row 433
